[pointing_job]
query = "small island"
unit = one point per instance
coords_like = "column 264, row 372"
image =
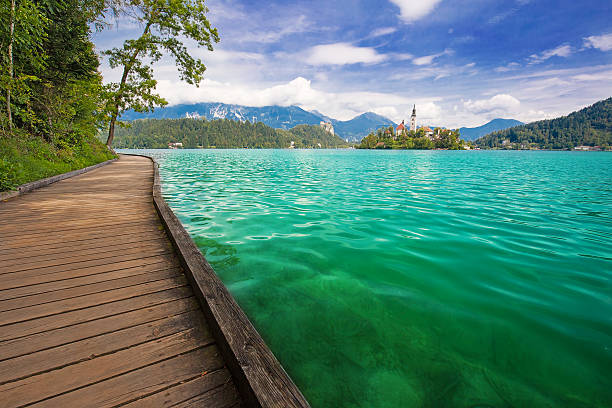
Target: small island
column 423, row 138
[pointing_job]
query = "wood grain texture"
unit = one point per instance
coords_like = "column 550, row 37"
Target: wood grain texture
column 95, row 309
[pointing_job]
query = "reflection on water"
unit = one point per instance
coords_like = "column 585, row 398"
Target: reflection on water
column 434, row 279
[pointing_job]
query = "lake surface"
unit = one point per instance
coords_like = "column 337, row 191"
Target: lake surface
column 414, row 278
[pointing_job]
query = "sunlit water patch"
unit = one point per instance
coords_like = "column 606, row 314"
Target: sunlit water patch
column 426, row 279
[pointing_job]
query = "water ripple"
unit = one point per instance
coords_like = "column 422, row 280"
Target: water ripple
column 384, row 279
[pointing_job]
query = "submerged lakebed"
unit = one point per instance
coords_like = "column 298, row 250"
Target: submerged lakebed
column 414, row 278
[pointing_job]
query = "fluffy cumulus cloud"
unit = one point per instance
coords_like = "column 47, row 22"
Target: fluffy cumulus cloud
column 412, row 10
column 498, row 104
column 300, row 92
column 560, row 51
column 341, row 54
column 602, row 42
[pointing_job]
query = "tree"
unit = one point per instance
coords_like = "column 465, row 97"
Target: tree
column 165, row 23
column 22, row 29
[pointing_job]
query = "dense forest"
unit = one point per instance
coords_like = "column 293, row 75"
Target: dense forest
column 386, row 138
column 591, row 126
column 51, row 88
column 222, row 134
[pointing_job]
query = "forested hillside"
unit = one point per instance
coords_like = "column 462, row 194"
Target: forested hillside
column 591, row 126
column 50, row 87
column 223, row 133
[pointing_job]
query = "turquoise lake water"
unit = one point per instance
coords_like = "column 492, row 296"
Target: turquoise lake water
column 414, row 278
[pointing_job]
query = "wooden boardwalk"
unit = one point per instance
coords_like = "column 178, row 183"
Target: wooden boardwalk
column 95, row 310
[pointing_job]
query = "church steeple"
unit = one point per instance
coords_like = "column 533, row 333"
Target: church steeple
column 413, row 119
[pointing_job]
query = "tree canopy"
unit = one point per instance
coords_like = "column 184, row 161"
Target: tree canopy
column 224, row 133
column 591, row 126
column 386, row 138
column 165, row 25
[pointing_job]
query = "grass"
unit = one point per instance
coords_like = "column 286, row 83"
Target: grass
column 25, row 158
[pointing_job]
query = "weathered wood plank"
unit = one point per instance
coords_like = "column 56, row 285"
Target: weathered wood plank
column 180, row 393
column 83, row 280
column 77, row 253
column 142, row 382
column 39, row 387
column 84, row 260
column 98, row 287
column 60, row 307
column 27, row 278
column 65, row 335
column 44, row 324
column 32, row 364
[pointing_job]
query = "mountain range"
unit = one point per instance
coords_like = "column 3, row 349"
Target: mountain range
column 492, row 126
column 287, row 117
column 279, row 117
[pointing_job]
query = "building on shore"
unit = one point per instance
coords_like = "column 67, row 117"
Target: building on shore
column 327, row 126
column 401, row 128
column 413, row 123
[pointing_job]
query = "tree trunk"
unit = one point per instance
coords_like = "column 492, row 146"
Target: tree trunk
column 126, row 70
column 10, row 57
column 111, row 131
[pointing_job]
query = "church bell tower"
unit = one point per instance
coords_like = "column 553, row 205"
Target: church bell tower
column 413, row 119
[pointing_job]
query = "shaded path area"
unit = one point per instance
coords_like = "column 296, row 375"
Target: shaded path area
column 94, row 307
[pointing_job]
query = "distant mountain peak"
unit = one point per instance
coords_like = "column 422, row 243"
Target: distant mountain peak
column 280, row 117
column 491, row 126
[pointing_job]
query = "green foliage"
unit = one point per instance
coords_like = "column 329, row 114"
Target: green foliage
column 591, row 126
column 25, row 158
column 386, row 138
column 194, row 133
column 54, row 89
column 166, row 23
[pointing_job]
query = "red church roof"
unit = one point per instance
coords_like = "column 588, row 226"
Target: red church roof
column 401, row 126
column 426, row 129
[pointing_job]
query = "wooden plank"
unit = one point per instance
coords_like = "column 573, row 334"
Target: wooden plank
column 36, row 363
column 144, row 228
column 225, row 396
column 44, row 324
column 83, row 260
column 75, row 282
column 77, row 253
column 182, row 392
column 140, row 383
column 27, row 278
column 24, row 188
column 83, row 330
column 81, row 302
column 83, row 290
column 61, row 227
column 101, row 241
column 39, row 387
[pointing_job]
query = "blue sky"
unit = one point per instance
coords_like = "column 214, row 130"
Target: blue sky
column 462, row 62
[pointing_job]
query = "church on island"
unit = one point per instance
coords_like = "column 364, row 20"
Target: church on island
column 401, row 128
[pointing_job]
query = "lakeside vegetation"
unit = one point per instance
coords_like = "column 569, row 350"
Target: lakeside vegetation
column 51, row 87
column 386, row 138
column 222, row 134
column 591, row 126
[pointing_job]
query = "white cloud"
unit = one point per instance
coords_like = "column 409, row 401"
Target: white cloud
column 511, row 66
column 428, row 59
column 299, row 91
column 341, row 54
column 379, row 32
column 560, row 51
column 412, row 10
column 602, row 42
column 501, row 103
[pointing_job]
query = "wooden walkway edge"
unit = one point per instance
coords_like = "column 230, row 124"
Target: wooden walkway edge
column 105, row 301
